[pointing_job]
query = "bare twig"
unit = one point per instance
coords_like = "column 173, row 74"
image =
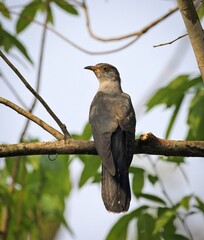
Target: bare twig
column 162, row 186
column 146, row 144
column 40, row 63
column 167, row 43
column 49, row 110
column 78, row 47
column 134, row 35
column 33, row 118
column 130, row 35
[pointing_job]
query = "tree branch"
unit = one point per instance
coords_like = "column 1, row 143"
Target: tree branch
column 170, row 42
column 135, row 35
column 33, row 118
column 49, row 110
column 40, row 64
column 130, row 35
column 195, row 31
column 146, row 144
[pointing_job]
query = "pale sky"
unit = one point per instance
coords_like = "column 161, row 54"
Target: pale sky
column 69, row 90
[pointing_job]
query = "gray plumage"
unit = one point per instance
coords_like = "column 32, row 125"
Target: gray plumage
column 112, row 119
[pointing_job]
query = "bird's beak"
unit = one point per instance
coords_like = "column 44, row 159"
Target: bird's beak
column 92, row 68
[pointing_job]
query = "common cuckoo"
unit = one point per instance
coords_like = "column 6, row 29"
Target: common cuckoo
column 112, row 120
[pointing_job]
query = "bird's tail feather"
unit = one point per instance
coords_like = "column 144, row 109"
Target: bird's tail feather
column 115, row 191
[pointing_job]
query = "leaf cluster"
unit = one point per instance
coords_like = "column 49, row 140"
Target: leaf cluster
column 35, row 203
column 27, row 16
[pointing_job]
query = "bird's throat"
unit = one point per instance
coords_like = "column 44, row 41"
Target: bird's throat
column 110, row 87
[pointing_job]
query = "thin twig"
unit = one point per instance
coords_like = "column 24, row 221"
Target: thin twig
column 40, row 63
column 13, row 90
column 161, row 183
column 33, row 118
column 130, row 35
column 134, row 35
column 73, row 44
column 167, row 43
column 49, row 110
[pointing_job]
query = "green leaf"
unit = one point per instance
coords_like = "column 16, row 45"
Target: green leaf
column 91, row 166
column 5, row 197
column 28, row 14
column 174, row 115
column 173, row 95
column 170, row 94
column 4, row 10
column 50, row 17
column 185, row 201
column 169, row 229
column 66, row 6
column 200, row 204
column 145, row 226
column 196, row 116
column 175, row 159
column 151, row 198
column 152, row 179
column 167, row 216
column 8, row 41
column 201, row 11
column 87, row 133
column 119, row 230
column 138, row 180
column 175, row 237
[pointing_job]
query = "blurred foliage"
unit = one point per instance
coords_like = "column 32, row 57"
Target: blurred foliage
column 35, row 202
column 26, row 17
column 33, row 189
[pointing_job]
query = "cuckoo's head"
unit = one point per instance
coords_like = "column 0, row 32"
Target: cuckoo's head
column 105, row 72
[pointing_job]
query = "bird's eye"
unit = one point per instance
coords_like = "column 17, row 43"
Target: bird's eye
column 104, row 68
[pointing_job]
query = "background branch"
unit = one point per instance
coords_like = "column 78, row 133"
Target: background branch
column 170, row 42
column 130, row 35
column 40, row 64
column 57, row 120
column 146, row 144
column 135, row 35
column 195, row 31
column 33, row 118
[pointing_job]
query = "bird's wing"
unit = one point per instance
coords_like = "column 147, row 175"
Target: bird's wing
column 125, row 114
column 126, row 118
column 103, row 123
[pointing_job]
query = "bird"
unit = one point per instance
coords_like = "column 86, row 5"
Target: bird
column 113, row 122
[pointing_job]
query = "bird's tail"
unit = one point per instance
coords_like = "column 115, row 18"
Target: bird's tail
column 115, row 191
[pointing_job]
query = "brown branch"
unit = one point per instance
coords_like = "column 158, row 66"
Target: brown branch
column 168, row 43
column 130, row 35
column 49, row 110
column 33, row 118
column 195, row 31
column 73, row 44
column 146, row 144
column 40, row 64
column 135, row 35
